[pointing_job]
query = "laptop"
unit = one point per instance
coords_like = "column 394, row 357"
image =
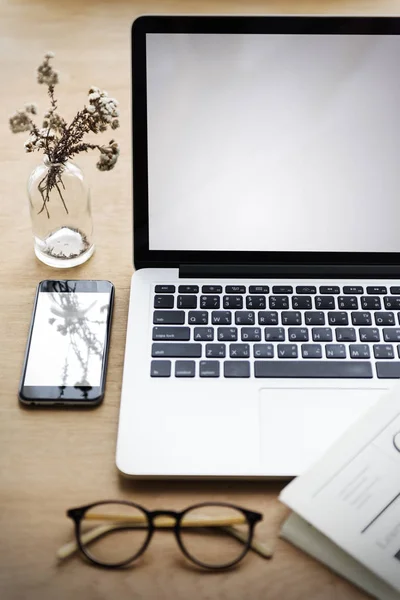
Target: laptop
column 264, row 312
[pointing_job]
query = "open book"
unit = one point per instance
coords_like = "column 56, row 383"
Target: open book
column 347, row 506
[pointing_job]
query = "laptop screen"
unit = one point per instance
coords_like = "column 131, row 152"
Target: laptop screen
column 273, row 142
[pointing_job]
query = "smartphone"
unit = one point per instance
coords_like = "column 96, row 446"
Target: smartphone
column 67, row 351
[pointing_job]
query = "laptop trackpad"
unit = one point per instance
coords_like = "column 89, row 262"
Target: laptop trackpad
column 299, row 424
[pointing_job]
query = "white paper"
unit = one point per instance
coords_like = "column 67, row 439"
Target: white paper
column 352, row 495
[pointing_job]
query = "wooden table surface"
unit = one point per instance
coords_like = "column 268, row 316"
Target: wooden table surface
column 50, row 461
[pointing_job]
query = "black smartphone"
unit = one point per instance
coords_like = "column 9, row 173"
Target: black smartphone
column 67, row 351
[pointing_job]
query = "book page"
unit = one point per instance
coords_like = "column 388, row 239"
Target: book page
column 303, row 535
column 352, row 495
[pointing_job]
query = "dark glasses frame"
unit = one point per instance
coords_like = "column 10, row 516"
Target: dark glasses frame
column 77, row 515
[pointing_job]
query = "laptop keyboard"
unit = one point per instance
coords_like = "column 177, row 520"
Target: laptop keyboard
column 307, row 331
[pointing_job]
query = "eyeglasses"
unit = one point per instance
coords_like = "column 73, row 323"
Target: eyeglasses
column 113, row 534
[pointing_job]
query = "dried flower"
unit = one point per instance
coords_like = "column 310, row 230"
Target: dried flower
column 31, row 108
column 60, row 141
column 20, row 121
column 46, row 73
column 53, row 121
column 108, row 156
column 101, row 110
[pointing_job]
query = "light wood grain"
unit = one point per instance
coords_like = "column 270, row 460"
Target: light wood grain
column 50, row 461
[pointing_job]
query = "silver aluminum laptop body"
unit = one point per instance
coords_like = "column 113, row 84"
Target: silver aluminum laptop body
column 263, row 315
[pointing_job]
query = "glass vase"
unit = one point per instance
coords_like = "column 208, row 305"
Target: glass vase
column 61, row 215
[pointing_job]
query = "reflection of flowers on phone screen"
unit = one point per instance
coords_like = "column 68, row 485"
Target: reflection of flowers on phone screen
column 72, row 319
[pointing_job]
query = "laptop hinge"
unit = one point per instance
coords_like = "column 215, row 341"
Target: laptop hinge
column 289, row 270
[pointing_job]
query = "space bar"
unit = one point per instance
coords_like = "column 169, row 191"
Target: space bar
column 312, row 369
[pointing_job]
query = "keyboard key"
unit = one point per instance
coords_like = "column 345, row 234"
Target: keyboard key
column 245, row 317
column 211, row 289
column 263, row 351
column 324, row 302
column 395, row 290
column 163, row 301
column 268, row 318
column 377, row 289
column 311, row 350
column 298, row 334
column 301, row 302
column 209, row 301
column 359, row 351
column 236, row 368
column 209, row 368
column 391, row 335
column 188, row 289
column 392, row 302
column 384, row 318
column 274, row 334
column 221, row 317
column 198, row 317
column 282, row 289
column 239, row 351
column 347, row 302
column 369, row 334
column 329, row 289
column 215, row 350
column 169, row 317
column 160, row 368
column 353, row 289
column 287, row 351
column 388, row 370
column 233, row 301
column 255, row 302
column 171, row 333
column 251, row 334
column 314, row 318
column 203, row 334
column 291, row 317
column 235, row 289
column 258, row 289
column 335, row 351
column 185, row 368
column 345, row 334
column 306, row 289
column 322, row 334
column 227, row 334
column 176, row 350
column 371, row 303
column 323, row 369
column 361, row 318
column 187, row 301
column 281, row 302
column 383, row 351
column 338, row 318
column 165, row 289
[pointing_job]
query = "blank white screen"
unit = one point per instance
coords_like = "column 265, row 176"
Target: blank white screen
column 273, row 142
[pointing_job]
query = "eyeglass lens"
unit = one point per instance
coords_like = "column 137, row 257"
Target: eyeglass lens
column 210, row 534
column 113, row 533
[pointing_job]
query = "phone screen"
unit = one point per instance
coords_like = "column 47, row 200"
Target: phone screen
column 69, row 341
